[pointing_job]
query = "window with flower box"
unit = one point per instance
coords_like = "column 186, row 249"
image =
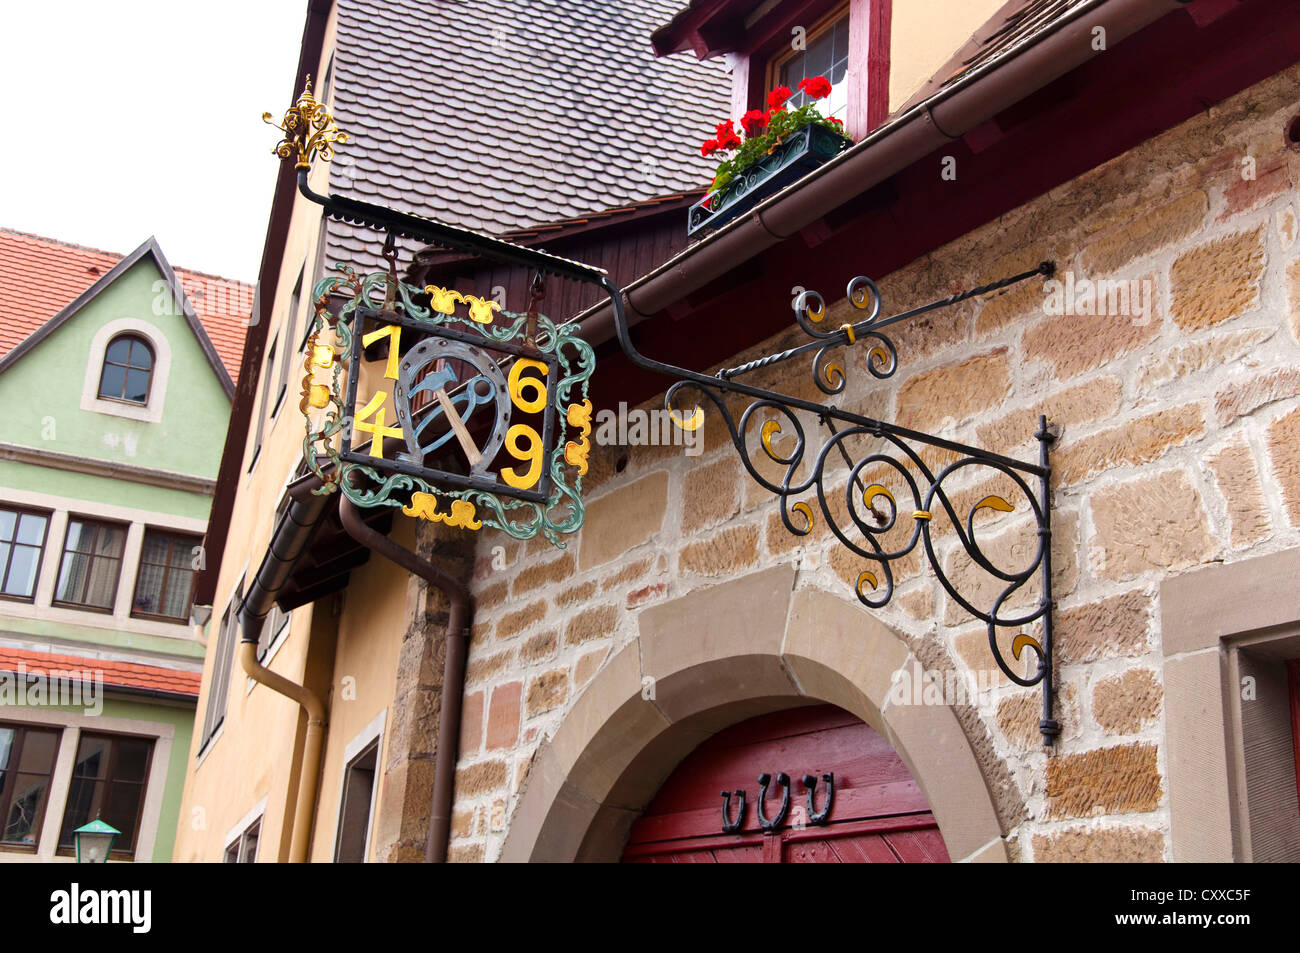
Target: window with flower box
column 780, row 42
column 825, row 53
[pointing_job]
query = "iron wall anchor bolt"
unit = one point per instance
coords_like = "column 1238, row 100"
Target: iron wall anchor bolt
column 810, row 782
column 764, row 780
column 728, row 825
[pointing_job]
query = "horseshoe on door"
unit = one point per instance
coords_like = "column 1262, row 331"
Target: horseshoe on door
column 810, row 782
column 728, row 825
column 764, row 780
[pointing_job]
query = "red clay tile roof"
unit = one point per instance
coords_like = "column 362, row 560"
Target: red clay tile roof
column 152, row 678
column 62, row 271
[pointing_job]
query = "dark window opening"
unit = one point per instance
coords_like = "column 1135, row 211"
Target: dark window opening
column 243, row 849
column 22, row 544
column 109, row 781
column 128, row 370
column 92, row 562
column 164, row 587
column 26, row 766
column 354, row 810
column 264, row 408
column 219, row 687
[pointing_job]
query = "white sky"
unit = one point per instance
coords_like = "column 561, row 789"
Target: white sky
column 121, row 119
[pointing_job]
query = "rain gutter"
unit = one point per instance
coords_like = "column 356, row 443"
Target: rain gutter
column 946, row 116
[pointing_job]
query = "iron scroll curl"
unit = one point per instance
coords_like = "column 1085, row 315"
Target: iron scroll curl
column 869, row 510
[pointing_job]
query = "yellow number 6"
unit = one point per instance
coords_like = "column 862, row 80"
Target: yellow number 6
column 517, row 385
column 533, row 456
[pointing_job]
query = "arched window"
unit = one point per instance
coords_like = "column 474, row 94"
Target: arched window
column 128, row 369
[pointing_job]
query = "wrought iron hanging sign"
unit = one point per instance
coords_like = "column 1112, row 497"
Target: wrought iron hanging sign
column 899, row 487
column 459, row 412
column 455, row 419
column 435, row 401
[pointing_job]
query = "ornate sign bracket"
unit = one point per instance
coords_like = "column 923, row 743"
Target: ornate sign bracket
column 866, row 511
column 894, row 491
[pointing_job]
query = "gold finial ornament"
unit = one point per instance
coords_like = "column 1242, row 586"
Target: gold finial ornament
column 308, row 129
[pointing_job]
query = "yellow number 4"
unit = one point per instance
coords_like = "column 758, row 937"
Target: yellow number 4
column 377, row 429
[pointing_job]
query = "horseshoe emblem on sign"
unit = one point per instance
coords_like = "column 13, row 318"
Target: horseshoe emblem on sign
column 486, row 388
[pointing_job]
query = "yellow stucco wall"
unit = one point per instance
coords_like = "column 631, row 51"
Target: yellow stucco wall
column 251, row 758
column 925, row 34
column 374, row 618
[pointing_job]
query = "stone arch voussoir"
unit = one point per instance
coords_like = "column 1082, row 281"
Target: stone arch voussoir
column 708, row 660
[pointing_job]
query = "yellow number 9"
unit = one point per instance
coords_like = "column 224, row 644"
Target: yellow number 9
column 517, row 385
column 533, row 456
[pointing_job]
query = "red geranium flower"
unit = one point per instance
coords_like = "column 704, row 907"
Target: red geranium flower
column 817, row 87
column 754, row 122
column 777, row 97
column 727, row 138
column 709, row 147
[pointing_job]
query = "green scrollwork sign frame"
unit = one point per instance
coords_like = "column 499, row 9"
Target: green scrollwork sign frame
column 545, row 500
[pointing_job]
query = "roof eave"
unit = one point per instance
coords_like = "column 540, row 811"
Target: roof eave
column 942, row 118
column 150, row 248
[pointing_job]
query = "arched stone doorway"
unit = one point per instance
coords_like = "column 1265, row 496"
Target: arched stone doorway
column 874, row 812
column 714, row 658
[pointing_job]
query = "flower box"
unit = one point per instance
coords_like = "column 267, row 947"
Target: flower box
column 796, row 156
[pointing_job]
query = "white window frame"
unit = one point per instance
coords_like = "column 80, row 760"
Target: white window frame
column 373, row 732
column 152, row 410
column 236, row 834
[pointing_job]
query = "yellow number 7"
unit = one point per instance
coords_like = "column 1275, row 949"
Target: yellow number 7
column 395, row 332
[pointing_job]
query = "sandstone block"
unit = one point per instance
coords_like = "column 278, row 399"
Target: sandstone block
column 1151, row 524
column 1218, row 281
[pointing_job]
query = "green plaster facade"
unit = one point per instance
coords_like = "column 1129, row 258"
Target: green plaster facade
column 47, row 381
column 66, row 456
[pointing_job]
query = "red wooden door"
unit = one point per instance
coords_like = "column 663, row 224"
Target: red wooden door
column 879, row 814
column 1293, row 679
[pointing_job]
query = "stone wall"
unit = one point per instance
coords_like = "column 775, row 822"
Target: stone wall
column 1180, row 446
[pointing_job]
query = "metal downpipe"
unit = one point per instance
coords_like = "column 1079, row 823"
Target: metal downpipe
column 312, row 744
column 290, row 539
column 453, row 672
